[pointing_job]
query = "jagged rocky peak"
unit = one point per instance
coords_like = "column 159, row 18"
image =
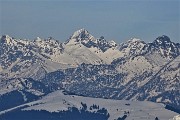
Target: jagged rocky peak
column 6, row 39
column 133, row 43
column 83, row 37
column 165, row 43
column 37, row 39
column 132, row 47
column 112, row 43
column 50, row 41
column 164, row 46
column 162, row 41
column 82, row 34
column 103, row 41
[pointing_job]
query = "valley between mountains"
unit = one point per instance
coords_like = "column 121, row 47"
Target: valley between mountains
column 91, row 77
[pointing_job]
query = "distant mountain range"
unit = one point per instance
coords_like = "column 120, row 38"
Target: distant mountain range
column 89, row 66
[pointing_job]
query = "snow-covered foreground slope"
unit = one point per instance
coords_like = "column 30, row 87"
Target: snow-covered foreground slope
column 135, row 110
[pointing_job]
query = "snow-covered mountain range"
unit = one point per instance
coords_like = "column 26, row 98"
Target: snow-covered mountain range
column 92, row 67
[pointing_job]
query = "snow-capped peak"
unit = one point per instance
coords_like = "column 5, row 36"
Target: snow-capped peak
column 132, row 47
column 134, row 40
column 112, row 43
column 37, row 39
column 164, row 45
column 162, row 40
column 79, row 33
column 6, row 39
column 82, row 34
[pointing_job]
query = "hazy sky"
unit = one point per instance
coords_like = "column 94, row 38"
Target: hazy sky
column 119, row 20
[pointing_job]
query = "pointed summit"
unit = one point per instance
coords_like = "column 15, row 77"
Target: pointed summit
column 132, row 47
column 164, row 46
column 82, row 34
column 6, row 39
column 37, row 39
column 162, row 40
column 112, row 43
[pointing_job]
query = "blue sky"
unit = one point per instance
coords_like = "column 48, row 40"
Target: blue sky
column 117, row 20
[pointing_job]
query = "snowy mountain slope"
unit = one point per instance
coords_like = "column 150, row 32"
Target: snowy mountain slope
column 22, row 58
column 60, row 101
column 23, row 83
column 132, row 47
column 81, row 35
column 80, row 54
column 136, row 76
column 100, row 49
column 21, row 55
column 130, row 81
column 18, row 91
column 164, row 47
column 164, row 86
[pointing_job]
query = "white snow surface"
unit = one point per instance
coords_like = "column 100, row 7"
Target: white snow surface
column 145, row 110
